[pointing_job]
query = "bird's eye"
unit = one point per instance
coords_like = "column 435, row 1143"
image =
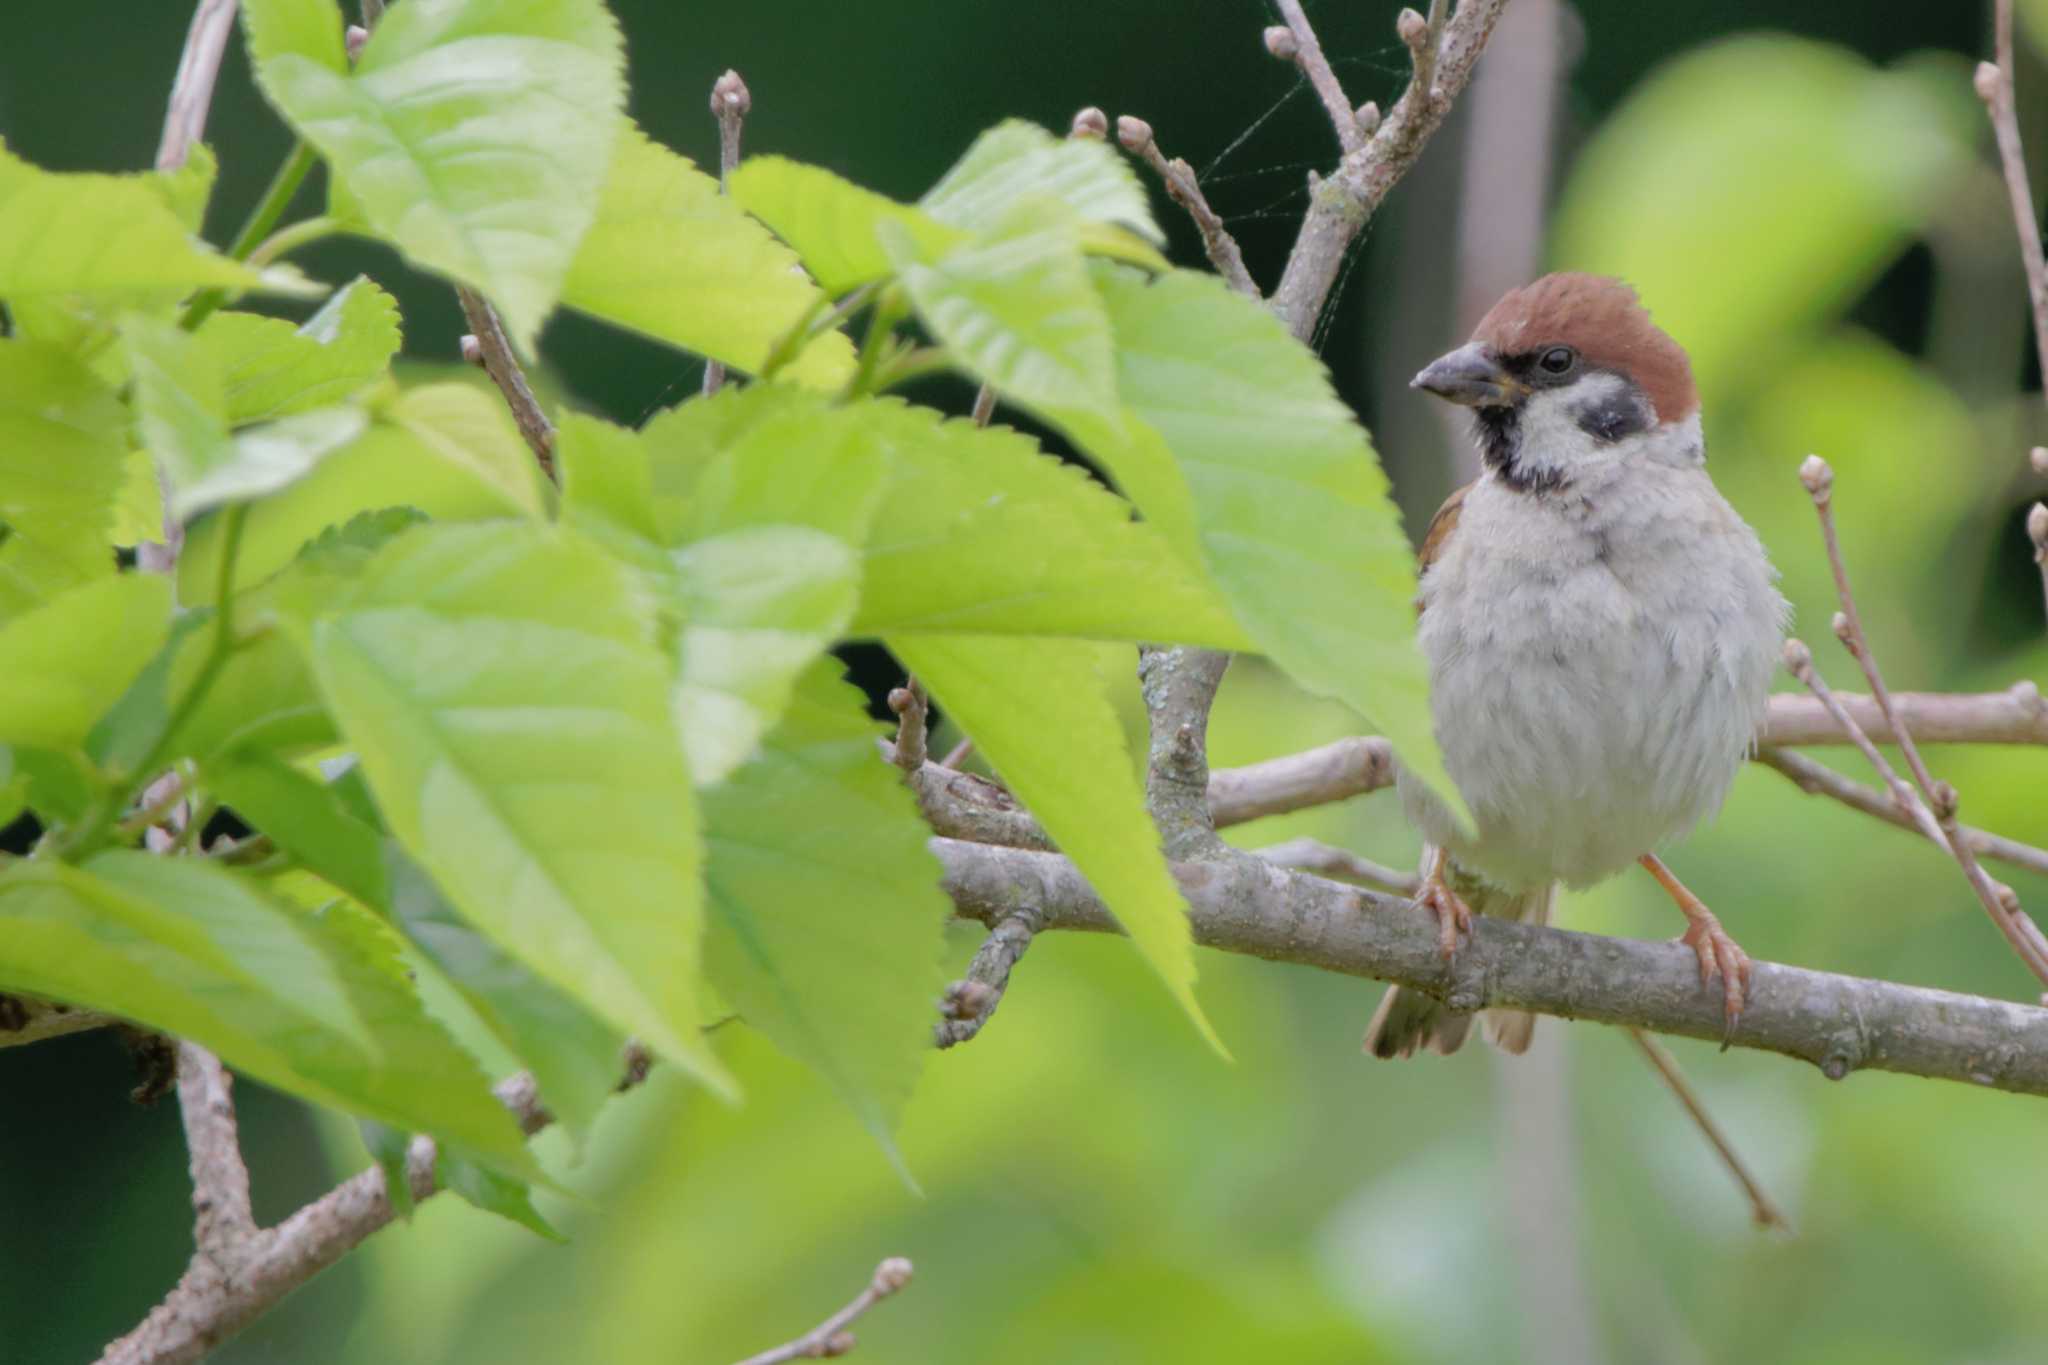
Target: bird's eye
column 1558, row 359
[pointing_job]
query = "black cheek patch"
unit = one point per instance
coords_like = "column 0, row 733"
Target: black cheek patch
column 1614, row 417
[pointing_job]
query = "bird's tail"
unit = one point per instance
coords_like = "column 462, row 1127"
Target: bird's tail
column 1408, row 1019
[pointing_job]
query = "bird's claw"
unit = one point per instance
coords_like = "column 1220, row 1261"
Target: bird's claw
column 1721, row 956
column 1453, row 916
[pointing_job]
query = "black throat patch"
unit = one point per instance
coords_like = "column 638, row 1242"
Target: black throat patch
column 1499, row 430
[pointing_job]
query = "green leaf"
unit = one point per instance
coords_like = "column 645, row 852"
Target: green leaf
column 832, row 222
column 672, row 258
column 304, row 817
column 110, row 238
column 387, row 1148
column 759, row 605
column 827, row 920
column 1295, row 522
column 64, row 664
column 574, row 1056
column 268, row 368
column 982, row 533
column 606, row 478
column 1016, row 159
column 1015, row 306
column 314, row 1005
column 61, row 452
column 493, row 1193
column 182, row 416
column 510, row 708
column 986, row 533
column 471, row 134
column 448, row 450
column 768, row 574
column 187, row 189
column 1036, row 709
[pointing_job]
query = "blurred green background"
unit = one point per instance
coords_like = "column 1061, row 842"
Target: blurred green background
column 1806, row 197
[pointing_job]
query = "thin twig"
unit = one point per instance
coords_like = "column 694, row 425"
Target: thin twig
column 1306, row 52
column 957, row 755
column 1999, row 901
column 730, row 101
column 969, row 1002
column 1761, row 1208
column 1341, row 205
column 1327, row 860
column 984, row 404
column 192, row 87
column 1799, row 663
column 831, row 1337
column 2037, row 531
column 911, row 708
column 503, row 367
column 1179, row 178
column 1817, row 779
column 1995, row 87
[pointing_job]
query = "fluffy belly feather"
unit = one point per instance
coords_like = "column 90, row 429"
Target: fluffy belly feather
column 1593, row 692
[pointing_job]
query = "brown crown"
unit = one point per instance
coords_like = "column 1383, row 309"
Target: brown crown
column 1605, row 323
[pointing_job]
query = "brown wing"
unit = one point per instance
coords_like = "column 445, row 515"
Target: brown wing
column 1441, row 527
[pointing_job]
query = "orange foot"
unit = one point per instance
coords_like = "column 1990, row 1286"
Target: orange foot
column 1453, row 916
column 1719, row 954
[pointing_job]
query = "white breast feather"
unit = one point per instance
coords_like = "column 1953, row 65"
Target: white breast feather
column 1600, row 659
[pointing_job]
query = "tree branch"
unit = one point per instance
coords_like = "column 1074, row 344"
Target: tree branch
column 730, row 101
column 192, row 87
column 1181, row 185
column 1240, row 904
column 831, row 1337
column 2001, row 902
column 1995, row 87
column 1327, row 860
column 238, row 1270
column 1341, row 205
column 494, row 350
column 1817, row 779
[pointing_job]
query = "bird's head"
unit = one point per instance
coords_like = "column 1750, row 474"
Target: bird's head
column 1567, row 373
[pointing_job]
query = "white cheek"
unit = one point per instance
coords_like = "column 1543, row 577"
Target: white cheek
column 1551, row 436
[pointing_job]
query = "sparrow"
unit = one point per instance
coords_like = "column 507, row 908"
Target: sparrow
column 1601, row 630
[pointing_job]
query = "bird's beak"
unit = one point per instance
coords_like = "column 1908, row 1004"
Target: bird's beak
column 1472, row 376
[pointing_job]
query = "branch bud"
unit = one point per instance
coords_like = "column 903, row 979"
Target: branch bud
column 1840, row 625
column 2038, row 457
column 1944, row 800
column 967, row 999
column 838, row 1344
column 354, row 39
column 1818, row 477
column 1281, row 42
column 472, row 350
column 1089, row 122
column 2037, row 528
column 730, row 97
column 891, row 1275
column 1413, row 28
column 1367, row 117
column 1798, row 658
column 2008, row 899
column 1133, row 132
column 901, row 699
column 2027, row 695
column 1988, row 80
